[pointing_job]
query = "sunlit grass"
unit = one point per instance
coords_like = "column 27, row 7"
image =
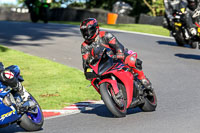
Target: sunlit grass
column 54, row 85
column 151, row 29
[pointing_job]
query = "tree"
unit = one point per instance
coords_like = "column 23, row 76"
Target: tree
column 54, row 4
column 150, row 7
column 155, row 6
column 138, row 5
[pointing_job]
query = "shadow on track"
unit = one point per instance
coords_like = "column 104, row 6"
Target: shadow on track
column 14, row 128
column 188, row 56
column 104, row 112
column 24, row 33
column 171, row 43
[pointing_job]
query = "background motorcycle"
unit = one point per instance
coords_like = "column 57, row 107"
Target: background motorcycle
column 118, row 87
column 28, row 116
column 39, row 10
column 180, row 31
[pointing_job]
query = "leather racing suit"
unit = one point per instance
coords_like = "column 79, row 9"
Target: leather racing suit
column 108, row 40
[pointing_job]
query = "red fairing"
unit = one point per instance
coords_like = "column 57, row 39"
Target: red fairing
column 127, row 79
column 95, row 68
column 112, row 82
column 92, row 82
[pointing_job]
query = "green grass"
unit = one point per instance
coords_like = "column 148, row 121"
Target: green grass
column 152, row 29
column 54, row 85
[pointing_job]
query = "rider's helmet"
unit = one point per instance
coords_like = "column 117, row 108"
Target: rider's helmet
column 192, row 4
column 89, row 29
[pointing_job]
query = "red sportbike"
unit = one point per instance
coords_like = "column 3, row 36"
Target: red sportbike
column 118, row 86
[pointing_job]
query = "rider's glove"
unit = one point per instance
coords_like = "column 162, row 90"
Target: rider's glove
column 120, row 56
column 193, row 31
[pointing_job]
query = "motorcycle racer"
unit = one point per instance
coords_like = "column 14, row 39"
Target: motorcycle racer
column 190, row 21
column 7, row 78
column 28, row 3
column 170, row 7
column 94, row 39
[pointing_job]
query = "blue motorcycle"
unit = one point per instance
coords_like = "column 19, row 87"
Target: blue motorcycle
column 27, row 115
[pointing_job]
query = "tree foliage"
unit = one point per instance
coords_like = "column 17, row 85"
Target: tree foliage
column 151, row 7
column 155, row 6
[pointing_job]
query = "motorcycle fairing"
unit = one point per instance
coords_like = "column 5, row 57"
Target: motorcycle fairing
column 123, row 76
column 104, row 63
column 93, row 84
column 113, row 83
column 104, row 67
column 8, row 114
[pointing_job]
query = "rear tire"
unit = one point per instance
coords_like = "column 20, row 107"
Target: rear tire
column 45, row 15
column 194, row 45
column 150, row 102
column 110, row 103
column 34, row 17
column 28, row 124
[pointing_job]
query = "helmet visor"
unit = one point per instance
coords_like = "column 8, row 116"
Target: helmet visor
column 89, row 32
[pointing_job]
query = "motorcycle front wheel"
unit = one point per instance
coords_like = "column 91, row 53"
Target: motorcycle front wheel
column 32, row 121
column 107, row 93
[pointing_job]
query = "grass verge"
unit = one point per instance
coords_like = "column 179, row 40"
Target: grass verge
column 151, row 29
column 54, row 85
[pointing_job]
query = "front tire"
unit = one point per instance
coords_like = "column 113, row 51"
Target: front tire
column 179, row 39
column 105, row 90
column 32, row 122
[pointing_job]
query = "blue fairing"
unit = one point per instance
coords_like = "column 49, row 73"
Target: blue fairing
column 8, row 114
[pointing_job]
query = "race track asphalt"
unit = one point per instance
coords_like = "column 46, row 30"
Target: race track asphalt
column 174, row 72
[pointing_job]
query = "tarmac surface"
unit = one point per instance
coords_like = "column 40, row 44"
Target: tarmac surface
column 174, row 72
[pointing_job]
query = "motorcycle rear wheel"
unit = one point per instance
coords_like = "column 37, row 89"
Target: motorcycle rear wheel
column 45, row 14
column 194, row 45
column 34, row 17
column 150, row 102
column 112, row 106
column 32, row 122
